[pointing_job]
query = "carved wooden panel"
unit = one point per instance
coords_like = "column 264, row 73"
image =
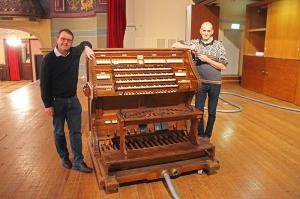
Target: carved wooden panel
column 59, row 5
column 30, row 8
column 77, row 8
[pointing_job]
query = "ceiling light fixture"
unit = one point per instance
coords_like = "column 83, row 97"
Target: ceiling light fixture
column 235, row 26
column 13, row 41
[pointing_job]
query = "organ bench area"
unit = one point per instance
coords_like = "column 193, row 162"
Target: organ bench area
column 141, row 118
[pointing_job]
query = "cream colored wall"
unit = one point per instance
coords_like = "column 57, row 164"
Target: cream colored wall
column 150, row 24
column 232, row 42
column 92, row 29
column 232, row 13
column 6, row 33
column 41, row 28
column 2, row 53
column 157, row 23
column 101, row 30
column 82, row 28
column 156, row 20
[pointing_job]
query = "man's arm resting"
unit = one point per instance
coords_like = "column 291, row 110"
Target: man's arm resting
column 179, row 44
column 89, row 52
column 213, row 63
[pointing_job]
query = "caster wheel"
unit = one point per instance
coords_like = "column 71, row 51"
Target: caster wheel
column 201, row 171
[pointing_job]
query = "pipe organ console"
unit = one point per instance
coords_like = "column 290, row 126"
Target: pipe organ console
column 140, row 115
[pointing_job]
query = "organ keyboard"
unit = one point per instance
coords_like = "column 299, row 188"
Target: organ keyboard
column 140, row 113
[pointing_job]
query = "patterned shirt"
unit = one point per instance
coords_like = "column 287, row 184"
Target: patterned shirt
column 215, row 51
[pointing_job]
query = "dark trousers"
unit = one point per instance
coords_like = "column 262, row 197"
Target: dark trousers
column 68, row 109
column 211, row 91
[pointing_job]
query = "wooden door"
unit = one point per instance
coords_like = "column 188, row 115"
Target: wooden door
column 280, row 79
column 297, row 92
column 253, row 73
column 26, row 71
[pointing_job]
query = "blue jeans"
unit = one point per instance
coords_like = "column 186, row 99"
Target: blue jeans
column 212, row 91
column 68, row 109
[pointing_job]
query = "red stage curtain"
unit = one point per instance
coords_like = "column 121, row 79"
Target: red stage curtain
column 13, row 63
column 116, row 23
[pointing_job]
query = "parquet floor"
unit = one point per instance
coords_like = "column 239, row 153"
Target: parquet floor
column 9, row 86
column 258, row 150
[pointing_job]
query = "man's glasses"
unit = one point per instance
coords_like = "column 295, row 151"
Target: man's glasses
column 65, row 39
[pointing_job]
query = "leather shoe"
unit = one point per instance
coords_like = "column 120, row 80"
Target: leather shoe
column 83, row 168
column 66, row 163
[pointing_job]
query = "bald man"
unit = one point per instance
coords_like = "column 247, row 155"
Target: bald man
column 210, row 58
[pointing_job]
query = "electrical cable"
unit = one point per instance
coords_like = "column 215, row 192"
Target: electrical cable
column 172, row 190
column 240, row 108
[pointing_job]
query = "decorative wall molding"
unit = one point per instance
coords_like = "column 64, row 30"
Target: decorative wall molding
column 30, row 8
column 52, row 8
column 77, row 8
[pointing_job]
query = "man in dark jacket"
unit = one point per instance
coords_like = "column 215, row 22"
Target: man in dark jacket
column 59, row 77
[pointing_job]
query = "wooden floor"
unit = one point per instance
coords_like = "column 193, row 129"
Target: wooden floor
column 258, row 150
column 9, row 86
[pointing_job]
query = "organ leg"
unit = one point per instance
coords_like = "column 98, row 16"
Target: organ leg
column 193, row 136
column 122, row 140
column 110, row 184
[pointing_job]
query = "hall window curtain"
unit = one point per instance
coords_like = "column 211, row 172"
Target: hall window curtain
column 116, row 23
column 13, row 63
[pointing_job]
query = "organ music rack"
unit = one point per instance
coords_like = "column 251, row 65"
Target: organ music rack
column 140, row 116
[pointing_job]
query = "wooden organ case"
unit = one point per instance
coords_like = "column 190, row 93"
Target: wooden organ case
column 141, row 118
